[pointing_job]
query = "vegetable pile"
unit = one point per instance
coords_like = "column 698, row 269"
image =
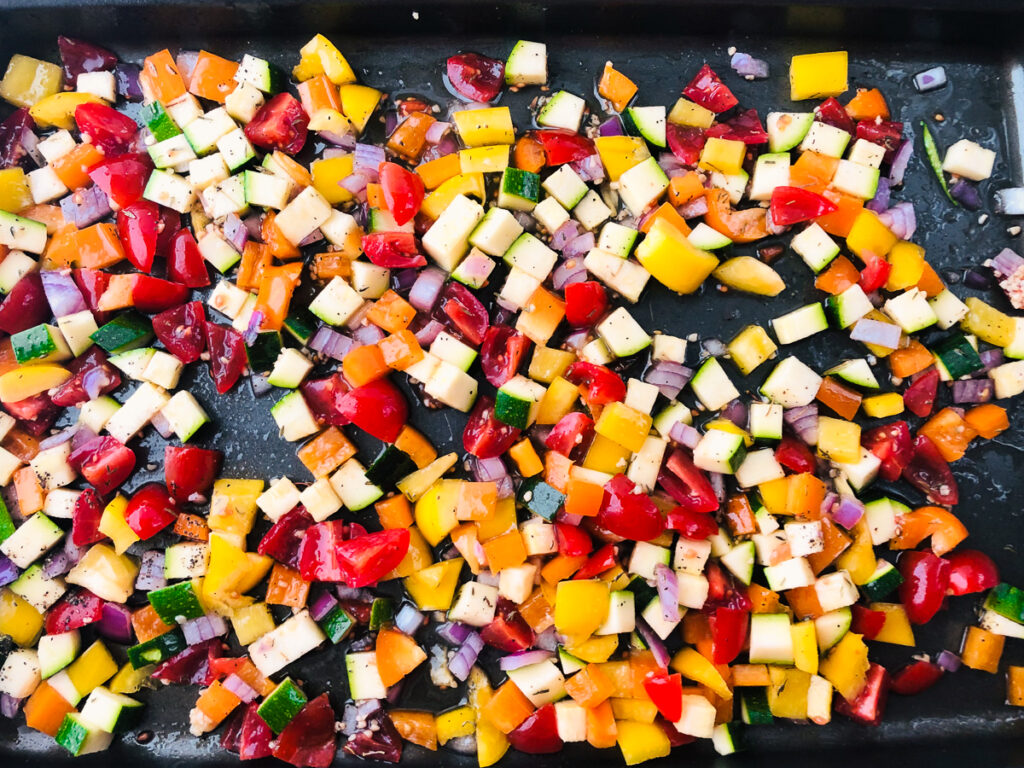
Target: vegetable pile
column 652, row 558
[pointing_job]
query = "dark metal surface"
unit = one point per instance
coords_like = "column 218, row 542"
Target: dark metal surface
column 962, row 719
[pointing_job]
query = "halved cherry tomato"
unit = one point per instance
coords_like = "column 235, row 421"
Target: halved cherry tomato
column 508, row 630
column 283, row 541
column 150, row 509
column 930, row 474
column 791, row 205
column 189, row 471
column 377, row 408
column 585, row 303
column 745, row 127
column 484, row 436
column 685, row 142
column 925, row 581
column 501, row 353
column 478, row 78
column 108, row 129
column 105, row 462
column 92, row 283
column 602, row 384
column 708, row 90
column 122, row 178
column 627, row 513
column 919, row 397
column 281, row 124
column 467, row 313
column 875, row 273
column 573, row 431
column 137, row 228
column 325, row 556
column 572, row 540
column 403, row 192
column 794, row 455
column 182, row 330
column 892, row 444
column 831, row 112
column 393, row 250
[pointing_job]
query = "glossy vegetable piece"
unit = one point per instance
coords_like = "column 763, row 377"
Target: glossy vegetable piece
column 378, row 408
column 915, row 677
column 477, row 77
column 185, row 264
column 466, row 312
column 227, row 355
column 629, row 514
column 91, row 377
column 283, row 541
column 280, row 124
column 502, row 353
column 25, row 306
column 971, row 571
column 75, row 610
column 393, row 250
column 892, row 444
column 792, row 205
column 78, row 57
column 189, row 471
column 122, row 178
column 150, row 509
column 538, row 734
column 929, row 473
column 105, row 462
column 138, row 227
column 484, row 436
column 112, row 131
column 324, row 556
column 602, row 385
column 182, row 330
column 585, row 303
column 925, row 581
column 563, row 146
column 707, row 90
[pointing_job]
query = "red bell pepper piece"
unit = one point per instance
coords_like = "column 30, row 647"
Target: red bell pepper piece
column 723, row 591
column 189, row 471
column 75, row 610
column 93, row 283
column 377, row 408
column 892, row 444
column 255, row 735
column 585, row 303
column 150, row 509
column 137, row 227
column 867, row 622
column 484, row 436
column 227, row 355
column 915, row 677
column 685, row 142
column 666, row 693
column 629, row 514
column 794, row 455
column 182, row 330
column 572, row 540
column 122, row 178
column 185, row 264
column 538, row 734
column 884, row 133
column 393, row 250
column 152, row 295
column 919, row 396
column 708, row 90
column 598, row 563
column 791, row 205
column 324, row 396
column 570, row 433
column 728, row 633
column 925, row 581
column 930, row 474
column 284, row 539
column 687, row 484
column 25, row 306
column 602, row 384
column 971, row 571
column 508, row 630
column 403, row 192
column 91, row 376
column 193, row 665
column 745, row 127
column 105, row 462
column 325, row 556
column 831, row 112
column 875, row 273
column 85, row 519
column 109, row 130
column 869, row 706
column 502, row 353
column 281, row 124
column 691, row 524
column 467, row 313
column 563, row 146
column 478, row 78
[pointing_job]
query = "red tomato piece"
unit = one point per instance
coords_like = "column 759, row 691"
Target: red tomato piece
column 283, row 541
column 25, row 306
column 377, row 408
column 185, row 264
column 930, row 474
column 91, row 376
column 919, row 397
column 122, row 178
column 831, row 112
column 403, row 192
column 971, row 571
column 925, row 581
column 227, row 355
column 794, row 455
column 875, row 273
column 255, row 735
column 152, row 295
column 687, row 484
column 92, row 283
column 685, row 142
column 602, row 384
column 666, row 693
column 477, row 77
column 193, row 665
column 728, row 633
column 745, row 127
column 189, row 471
column 708, row 90
column 869, row 705
column 105, row 462
column 309, row 739
column 893, row 445
column 573, row 431
column 538, row 734
column 393, row 250
column 467, row 313
column 150, row 509
column 508, row 630
column 915, row 677
column 502, row 353
column 791, row 205
column 74, row 611
column 484, row 436
column 572, row 540
column 324, row 396
column 691, row 524
column 325, row 556
column 563, row 146
column 109, row 130
column 281, row 124
column 585, row 303
column 182, row 330
column 884, row 133
column 85, row 519
column 629, row 514
column 137, row 228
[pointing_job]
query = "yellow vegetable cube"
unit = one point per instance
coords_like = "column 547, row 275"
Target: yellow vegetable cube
column 231, row 573
column 673, row 260
column 233, row 505
column 14, row 192
column 859, row 558
column 595, row 650
column 359, row 102
column 787, row 695
column 581, row 607
column 435, row 511
column 455, row 723
column 469, row 184
column 525, row 456
column 29, row 80
column 751, row 347
column 480, row 127
column 113, row 525
column 640, row 742
column 433, row 588
column 547, row 364
column 775, row 495
column 869, row 235
column 493, row 159
column 58, row 110
column 685, row 112
column 606, row 455
column 19, row 620
column 880, row 406
column 320, row 56
column 502, row 521
column 634, row 710
column 723, row 155
column 557, row 401
column 907, row 260
column 846, row 665
column 327, row 174
column 693, row 666
column 984, row 321
column 626, row 426
column 251, row 622
column 620, row 153
column 805, row 646
column 818, row 75
column 93, row 668
column 897, row 629
column 838, row 439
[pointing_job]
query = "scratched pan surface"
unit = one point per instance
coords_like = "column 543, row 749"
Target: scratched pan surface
column 962, row 718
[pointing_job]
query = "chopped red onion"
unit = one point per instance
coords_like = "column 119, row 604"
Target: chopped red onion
column 260, row 384
column 426, row 335
column 235, row 232
column 736, row 412
column 966, row 193
column 366, row 335
column 547, row 640
column 589, row 168
column 654, row 643
column 367, row 160
column 577, row 340
column 240, row 688
column 354, row 183
column 880, row 202
column 446, row 146
column 253, row 329
column 162, row 425
column 346, row 142
column 324, row 604
column 186, row 61
column 568, row 272
column 62, row 292
column 204, row 628
column 948, row 660
column 116, row 623
column 9, row 572
column 329, row 342
column 313, row 237
column 901, row 219
column 684, row 434
column 489, row 470
column 669, row 163
column 402, row 280
column 127, row 77
column 579, row 246
column 669, row 377
column 848, row 512
column 803, row 420
column 523, row 659
column 454, row 632
column 9, row 706
column 611, row 127
column 973, row 391
column 359, row 316
column 462, row 662
column 254, row 226
column 990, row 358
column 569, row 519
column 830, row 500
column 748, row 67
column 151, row 571
column 59, row 438
column 506, row 488
column 437, row 131
column 718, row 484
column 668, row 592
column 565, row 234
column 359, row 594
column 30, row 143
column 425, row 291
column 1006, row 262
column 84, row 207
column 82, row 436
column 876, row 332
column 409, row 619
column 696, row 207
column 900, row 160
column 1010, row 201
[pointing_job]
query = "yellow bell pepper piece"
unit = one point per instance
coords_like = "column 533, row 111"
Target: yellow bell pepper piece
column 14, row 192
column 359, row 102
column 984, row 321
column 333, row 121
column 29, row 80
column 838, row 439
column 818, row 75
column 113, row 525
column 433, row 588
column 58, row 110
column 640, row 742
column 751, row 347
column 327, row 174
column 480, row 127
column 606, row 455
column 251, row 622
column 233, row 505
column 418, row 556
column 502, row 521
column 232, row 572
column 907, row 260
column 93, row 668
column 557, row 401
column 435, row 511
column 846, row 665
column 745, row 273
column 634, row 710
column 491, row 744
column 897, row 629
column 620, row 153
column 685, row 112
column 673, row 260
column 859, row 558
column 30, row 380
column 109, row 574
column 581, row 607
column 493, row 159
column 455, row 723
column 787, row 695
column 129, row 679
column 690, row 664
column 595, row 650
column 805, row 646
column 880, row 406
column 775, row 495
column 469, row 184
column 723, row 155
column 548, row 364
column 320, row 56
column 19, row 620
column 626, row 426
column 869, row 235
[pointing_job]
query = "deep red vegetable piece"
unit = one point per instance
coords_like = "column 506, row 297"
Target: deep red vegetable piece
column 403, row 192
column 75, row 610
column 585, row 303
column 691, row 524
column 85, row 519
column 602, row 384
column 867, row 622
column 91, row 376
column 666, row 693
column 893, row 445
column 182, row 330
column 324, row 396
column 12, row 146
column 930, row 474
column 35, row 414
column 563, row 146
column 687, row 484
column 25, row 306
column 137, row 229
column 538, row 734
column 477, row 77
column 92, row 283
column 150, row 509
column 122, row 178
column 466, row 312
column 484, row 436
column 869, row 706
column 794, row 455
column 915, row 677
column 598, row 563
column 227, row 355
column 508, row 630
column 874, row 274
column 193, row 665
column 572, row 540
column 280, row 124
column 378, row 408
column 393, row 250
column 792, row 205
column 185, row 264
column 728, row 633
column 831, row 112
column 379, row 740
column 326, row 556
column 573, row 431
column 971, row 571
column 502, row 353
column 724, row 591
column 189, row 471
column 110, row 130
column 685, row 142
column 920, row 395
column 745, row 127
column 884, row 133
column 925, row 581
column 255, row 735
column 152, row 294
column 284, row 539
column 105, row 462
column 709, row 91
column 78, row 57
column 627, row 513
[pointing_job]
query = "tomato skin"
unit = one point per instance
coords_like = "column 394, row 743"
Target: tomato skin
column 723, row 591
column 691, row 524
column 708, row 90
column 403, row 192
column 925, row 580
column 971, row 571
column 467, row 313
column 484, row 436
column 728, row 633
column 893, row 445
column 185, row 264
column 875, row 273
column 929, row 473
column 283, row 541
column 105, row 462
column 281, row 124
column 110, row 130
column 325, row 556
column 919, row 397
column 150, row 509
column 85, row 519
column 152, row 295
column 884, row 133
column 122, row 178
column 25, row 306
column 791, row 205
column 508, row 631
column 377, row 408
column 687, row 484
column 602, row 384
column 628, row 514
column 585, row 303
column 794, row 455
column 393, row 250
column 597, row 563
column 309, row 739
column 92, row 283
column 869, row 705
column 137, row 226
column 571, row 432
column 182, row 330
column 745, row 127
column 227, row 355
column 324, row 398
column 685, row 142
column 189, row 471
column 502, row 353
column 866, row 621
column 572, row 540
column 915, row 677
column 74, row 611
column 538, row 734
column 666, row 693
column 477, row 77
column 563, row 146
column 831, row 112
column 90, row 368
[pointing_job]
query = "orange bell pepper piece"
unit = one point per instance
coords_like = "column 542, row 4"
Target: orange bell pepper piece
column 212, row 77
column 667, row 212
column 217, row 702
column 740, row 226
column 72, row 169
column 601, row 728
column 868, row 104
column 910, row 359
column 275, row 295
column 148, row 624
column 410, row 137
column 286, row 587
column 394, row 512
column 192, row 527
column 943, row 526
column 616, row 87
column 419, row 449
column 839, row 276
column 529, row 155
column 319, row 93
column 391, row 312
column 28, row 491
column 160, row 77
column 508, row 708
column 843, row 400
column 99, row 246
column 950, row 433
column 589, row 687
column 45, row 709
column 982, row 650
column 988, row 420
column 505, row 551
column 326, row 452
column 256, row 258
column 683, row 189
column 840, row 221
column 812, row 169
column 364, row 364
column 280, row 246
column 583, row 498
column 416, row 727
